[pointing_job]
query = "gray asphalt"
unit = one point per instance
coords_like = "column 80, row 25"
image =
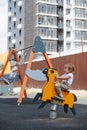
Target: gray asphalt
column 28, row 117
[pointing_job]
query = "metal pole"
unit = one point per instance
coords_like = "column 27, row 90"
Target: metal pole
column 53, row 111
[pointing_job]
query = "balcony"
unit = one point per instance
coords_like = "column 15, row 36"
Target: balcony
column 60, row 2
column 19, row 26
column 13, row 41
column 20, row 3
column 49, row 38
column 60, row 26
column 46, row 26
column 9, row 34
column 60, row 38
column 60, row 15
column 47, row 14
column 47, row 2
column 14, row 19
column 9, row 14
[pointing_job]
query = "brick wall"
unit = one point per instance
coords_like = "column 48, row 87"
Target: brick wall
column 80, row 75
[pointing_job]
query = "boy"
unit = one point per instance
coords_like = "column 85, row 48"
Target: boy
column 66, row 80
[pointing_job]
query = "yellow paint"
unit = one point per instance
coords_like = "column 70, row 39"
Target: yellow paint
column 49, row 90
column 3, row 58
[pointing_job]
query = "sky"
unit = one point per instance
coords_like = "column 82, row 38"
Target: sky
column 3, row 25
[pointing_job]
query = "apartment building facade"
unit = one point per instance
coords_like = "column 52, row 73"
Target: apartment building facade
column 75, row 24
column 62, row 24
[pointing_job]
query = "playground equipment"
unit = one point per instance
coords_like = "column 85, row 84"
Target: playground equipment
column 8, row 79
column 37, row 47
column 48, row 91
column 48, row 95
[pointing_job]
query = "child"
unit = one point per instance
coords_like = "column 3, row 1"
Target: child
column 66, row 80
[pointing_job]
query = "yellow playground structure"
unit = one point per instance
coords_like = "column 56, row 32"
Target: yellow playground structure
column 48, row 90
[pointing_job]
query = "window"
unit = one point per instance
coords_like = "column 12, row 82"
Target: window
column 20, row 20
column 51, row 33
column 14, row 13
column 19, row 56
column 39, row 21
column 79, row 12
column 81, row 35
column 9, row 19
column 14, row 46
column 77, row 44
column 9, row 39
column 47, row 32
column 10, row 8
column 42, row 31
column 19, row 42
column 14, row 25
column 51, row 9
column 51, row 46
column 68, row 34
column 60, row 2
column 68, row 46
column 15, row 4
column 39, row 8
column 68, row 23
column 68, row 2
column 20, row 9
column 60, row 11
column 67, row 11
column 77, row 35
column 60, row 23
column 14, row 34
column 9, row 1
column 9, row 48
column 81, row 3
column 9, row 28
column 20, row 32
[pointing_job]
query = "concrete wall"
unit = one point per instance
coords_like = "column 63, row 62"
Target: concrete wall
column 29, row 22
column 80, row 75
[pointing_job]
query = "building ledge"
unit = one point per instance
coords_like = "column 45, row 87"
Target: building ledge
column 46, row 14
column 49, row 38
column 44, row 2
column 47, row 26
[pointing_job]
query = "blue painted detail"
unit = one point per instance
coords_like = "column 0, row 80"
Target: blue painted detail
column 36, row 75
column 38, row 45
column 10, row 78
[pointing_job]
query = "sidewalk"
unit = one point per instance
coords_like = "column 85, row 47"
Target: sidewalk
column 78, row 93
column 81, row 94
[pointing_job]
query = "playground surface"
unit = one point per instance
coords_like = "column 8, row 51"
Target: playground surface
column 28, row 117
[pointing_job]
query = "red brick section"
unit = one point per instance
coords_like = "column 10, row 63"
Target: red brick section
column 80, row 75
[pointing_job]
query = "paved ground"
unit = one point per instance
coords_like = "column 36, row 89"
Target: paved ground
column 28, row 117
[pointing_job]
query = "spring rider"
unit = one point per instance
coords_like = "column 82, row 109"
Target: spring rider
column 48, row 90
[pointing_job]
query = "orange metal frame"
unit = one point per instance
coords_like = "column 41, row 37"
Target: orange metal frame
column 48, row 89
column 25, row 80
column 13, row 51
